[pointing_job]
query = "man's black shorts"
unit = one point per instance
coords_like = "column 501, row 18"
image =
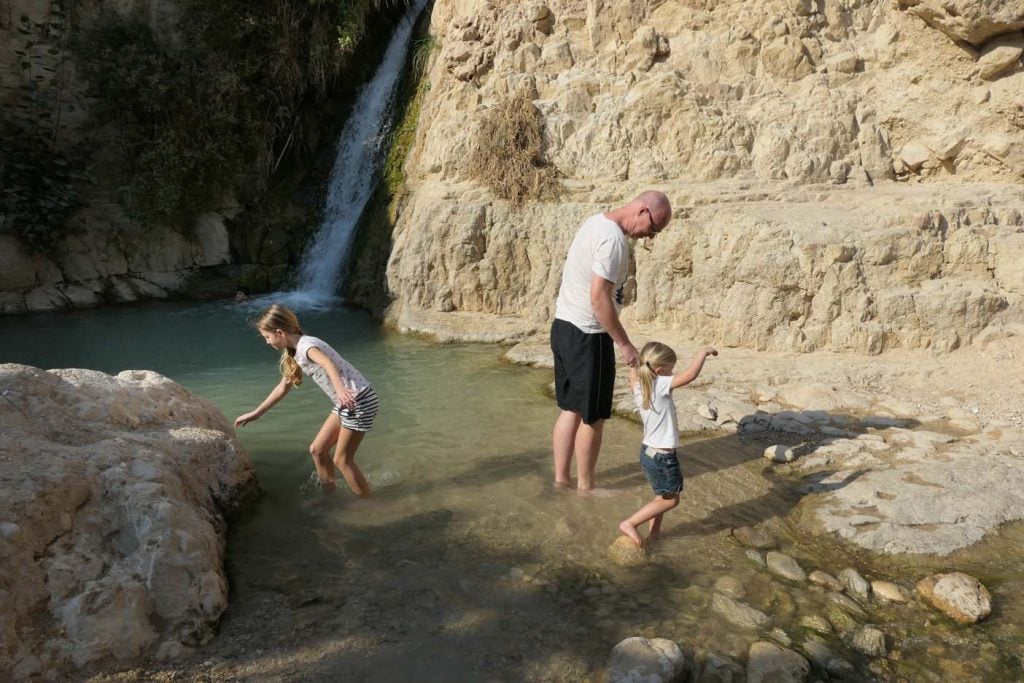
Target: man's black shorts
column 584, row 371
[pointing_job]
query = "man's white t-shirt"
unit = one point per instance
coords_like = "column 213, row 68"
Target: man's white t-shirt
column 661, row 426
column 600, row 247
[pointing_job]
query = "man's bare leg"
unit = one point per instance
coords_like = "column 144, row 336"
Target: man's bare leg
column 588, row 446
column 563, row 442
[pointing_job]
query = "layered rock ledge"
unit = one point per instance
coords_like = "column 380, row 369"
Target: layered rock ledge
column 113, row 495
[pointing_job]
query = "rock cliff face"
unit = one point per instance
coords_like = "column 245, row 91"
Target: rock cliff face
column 847, row 175
column 113, row 492
column 108, row 257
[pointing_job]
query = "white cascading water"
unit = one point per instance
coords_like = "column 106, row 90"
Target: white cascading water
column 361, row 151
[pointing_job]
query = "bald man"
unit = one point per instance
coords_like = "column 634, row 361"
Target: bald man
column 586, row 329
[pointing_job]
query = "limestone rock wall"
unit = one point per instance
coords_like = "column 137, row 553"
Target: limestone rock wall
column 113, row 492
column 96, row 266
column 847, row 175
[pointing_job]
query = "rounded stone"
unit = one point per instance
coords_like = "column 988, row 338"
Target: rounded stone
column 626, row 552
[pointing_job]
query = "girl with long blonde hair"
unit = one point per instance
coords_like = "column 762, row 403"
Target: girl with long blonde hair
column 355, row 403
column 653, row 381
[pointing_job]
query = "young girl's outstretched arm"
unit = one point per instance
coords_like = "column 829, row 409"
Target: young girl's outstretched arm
column 691, row 373
column 346, row 398
column 275, row 395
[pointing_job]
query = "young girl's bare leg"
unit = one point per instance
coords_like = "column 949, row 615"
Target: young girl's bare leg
column 320, row 450
column 345, row 459
column 656, row 524
column 657, row 507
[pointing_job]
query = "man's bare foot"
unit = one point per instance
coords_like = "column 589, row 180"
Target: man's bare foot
column 630, row 530
column 598, row 493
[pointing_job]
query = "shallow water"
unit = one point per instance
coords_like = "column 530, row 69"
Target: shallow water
column 466, row 565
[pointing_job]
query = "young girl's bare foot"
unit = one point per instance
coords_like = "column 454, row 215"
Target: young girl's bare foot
column 630, row 530
column 328, row 485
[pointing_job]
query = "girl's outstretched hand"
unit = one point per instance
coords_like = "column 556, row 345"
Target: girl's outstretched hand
column 709, row 351
column 245, row 419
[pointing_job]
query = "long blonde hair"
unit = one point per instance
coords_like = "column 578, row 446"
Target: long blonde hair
column 279, row 317
column 654, row 355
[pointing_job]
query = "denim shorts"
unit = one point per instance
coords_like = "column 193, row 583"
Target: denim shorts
column 662, row 471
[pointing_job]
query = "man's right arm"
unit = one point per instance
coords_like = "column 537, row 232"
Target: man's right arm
column 602, row 301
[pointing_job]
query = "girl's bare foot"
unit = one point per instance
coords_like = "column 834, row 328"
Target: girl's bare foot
column 328, row 485
column 630, row 530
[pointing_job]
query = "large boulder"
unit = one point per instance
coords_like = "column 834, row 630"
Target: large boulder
column 113, row 491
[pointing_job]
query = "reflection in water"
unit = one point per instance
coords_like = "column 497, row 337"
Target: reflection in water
column 466, row 564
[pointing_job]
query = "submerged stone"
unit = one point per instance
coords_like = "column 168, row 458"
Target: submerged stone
column 626, row 552
column 642, row 660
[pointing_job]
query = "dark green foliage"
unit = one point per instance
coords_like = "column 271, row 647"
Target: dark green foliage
column 38, row 175
column 38, row 184
column 221, row 97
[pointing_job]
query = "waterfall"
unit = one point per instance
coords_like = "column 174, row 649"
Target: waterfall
column 361, row 150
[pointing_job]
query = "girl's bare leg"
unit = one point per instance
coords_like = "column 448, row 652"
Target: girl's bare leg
column 656, row 524
column 345, row 459
column 657, row 507
column 320, row 450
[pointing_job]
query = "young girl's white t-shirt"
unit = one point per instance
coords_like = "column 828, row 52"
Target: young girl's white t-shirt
column 661, row 428
column 350, row 377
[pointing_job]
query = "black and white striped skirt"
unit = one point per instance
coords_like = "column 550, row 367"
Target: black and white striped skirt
column 360, row 418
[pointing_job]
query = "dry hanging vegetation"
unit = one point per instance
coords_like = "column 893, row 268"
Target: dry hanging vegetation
column 508, row 156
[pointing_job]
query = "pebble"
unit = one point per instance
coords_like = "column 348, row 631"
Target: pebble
column 854, row 583
column 825, row 579
column 752, row 538
column 785, row 566
column 869, row 640
column 816, row 623
column 738, row 614
column 845, row 603
column 779, row 453
column 888, row 591
column 730, row 587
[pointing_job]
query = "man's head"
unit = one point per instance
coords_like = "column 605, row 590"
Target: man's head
column 648, row 214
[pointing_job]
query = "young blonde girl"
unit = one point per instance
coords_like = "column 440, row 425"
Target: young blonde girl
column 354, row 400
column 652, row 382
